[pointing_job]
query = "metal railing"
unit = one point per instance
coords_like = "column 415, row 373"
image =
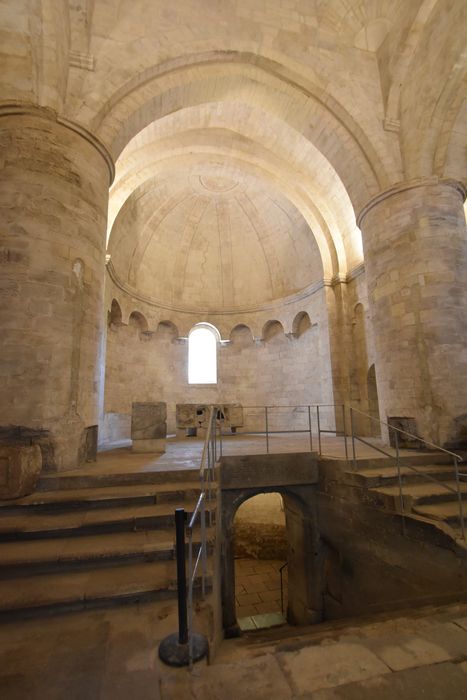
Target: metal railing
column 456, row 459
column 212, row 451
column 267, row 416
column 281, row 569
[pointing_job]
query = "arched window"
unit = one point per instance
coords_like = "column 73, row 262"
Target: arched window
column 202, row 354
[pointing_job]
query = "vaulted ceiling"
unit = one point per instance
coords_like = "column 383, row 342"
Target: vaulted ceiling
column 247, row 135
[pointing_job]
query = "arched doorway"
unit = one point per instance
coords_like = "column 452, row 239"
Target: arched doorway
column 261, row 569
column 303, row 594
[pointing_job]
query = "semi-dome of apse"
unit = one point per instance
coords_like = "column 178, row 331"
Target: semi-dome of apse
column 212, row 237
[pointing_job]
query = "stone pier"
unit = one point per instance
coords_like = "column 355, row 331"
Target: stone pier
column 54, row 182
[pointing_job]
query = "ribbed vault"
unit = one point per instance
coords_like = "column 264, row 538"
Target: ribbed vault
column 213, row 237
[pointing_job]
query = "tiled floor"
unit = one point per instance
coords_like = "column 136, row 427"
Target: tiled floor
column 258, row 592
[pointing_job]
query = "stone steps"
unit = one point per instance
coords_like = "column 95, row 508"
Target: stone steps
column 37, row 525
column 32, row 557
column 60, row 554
column 419, row 459
column 434, row 499
column 104, row 497
column 447, row 511
column 388, row 475
column 92, row 540
column 57, row 592
column 418, row 494
column 79, row 480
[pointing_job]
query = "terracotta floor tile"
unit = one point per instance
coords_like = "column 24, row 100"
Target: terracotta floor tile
column 246, row 610
column 270, row 606
column 269, row 595
column 249, row 599
column 254, row 587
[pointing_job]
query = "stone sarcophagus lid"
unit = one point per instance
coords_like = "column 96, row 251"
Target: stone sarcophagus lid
column 149, row 426
column 196, row 415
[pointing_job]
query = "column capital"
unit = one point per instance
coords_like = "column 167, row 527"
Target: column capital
column 8, row 109
column 410, row 185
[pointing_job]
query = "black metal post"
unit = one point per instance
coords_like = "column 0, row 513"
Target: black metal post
column 174, row 649
column 180, row 517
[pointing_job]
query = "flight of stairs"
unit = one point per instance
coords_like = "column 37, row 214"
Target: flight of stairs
column 426, row 498
column 87, row 541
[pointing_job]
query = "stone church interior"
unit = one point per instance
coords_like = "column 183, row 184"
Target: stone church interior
column 233, row 349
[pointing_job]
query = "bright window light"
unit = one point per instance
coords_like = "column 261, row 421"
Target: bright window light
column 202, row 356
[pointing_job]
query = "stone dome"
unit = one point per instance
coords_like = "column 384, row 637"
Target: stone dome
column 212, row 237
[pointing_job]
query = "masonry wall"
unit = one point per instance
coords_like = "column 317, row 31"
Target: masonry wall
column 152, row 366
column 362, row 380
column 369, row 565
column 292, row 352
column 274, row 356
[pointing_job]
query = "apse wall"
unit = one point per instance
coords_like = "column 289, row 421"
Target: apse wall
column 284, row 360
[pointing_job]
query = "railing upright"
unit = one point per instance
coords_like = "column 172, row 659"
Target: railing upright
column 180, row 518
column 352, row 430
column 267, row 428
column 459, row 497
column 204, row 560
column 399, row 479
column 282, row 585
column 309, row 428
column 213, row 435
column 220, row 440
column 344, row 428
column 319, row 429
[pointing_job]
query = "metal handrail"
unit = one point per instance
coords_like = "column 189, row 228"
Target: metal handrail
column 206, row 474
column 399, row 430
column 455, row 457
column 309, row 407
column 281, row 569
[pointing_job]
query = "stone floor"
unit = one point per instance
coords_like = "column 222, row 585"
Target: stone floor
column 112, row 655
column 258, row 592
column 185, row 453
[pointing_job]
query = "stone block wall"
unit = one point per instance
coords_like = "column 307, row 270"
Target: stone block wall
column 53, row 208
column 288, row 364
column 369, row 565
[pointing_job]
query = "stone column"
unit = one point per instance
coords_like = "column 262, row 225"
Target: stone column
column 54, row 183
column 415, row 244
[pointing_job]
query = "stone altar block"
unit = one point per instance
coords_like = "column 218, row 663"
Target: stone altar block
column 409, row 425
column 20, row 467
column 191, row 416
column 149, row 426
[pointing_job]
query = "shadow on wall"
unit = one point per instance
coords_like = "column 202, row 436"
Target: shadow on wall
column 272, row 329
column 241, row 335
column 115, row 314
column 459, row 437
column 301, row 324
column 137, row 320
column 260, row 529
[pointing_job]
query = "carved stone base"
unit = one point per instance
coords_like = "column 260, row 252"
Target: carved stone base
column 20, row 467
